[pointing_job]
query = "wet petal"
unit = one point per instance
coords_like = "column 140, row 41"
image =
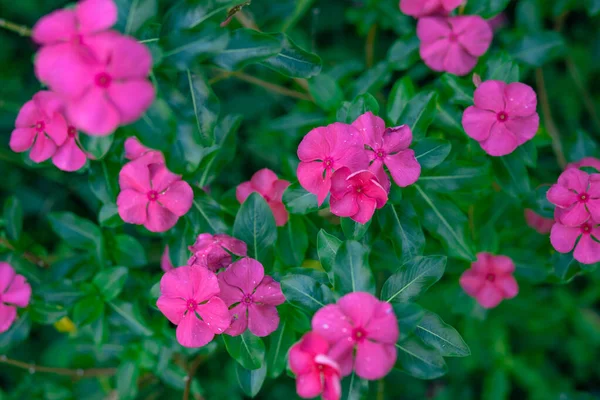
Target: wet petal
column 132, row 206
column 8, row 314
column 372, row 129
column 96, row 15
column 490, row 96
column 239, row 320
column 215, row 314
column 563, row 238
column 478, row 123
column 172, row 307
column 524, row 128
column 374, row 360
column 191, row 332
column 262, row 319
column 245, row 274
column 331, row 323
column 501, row 141
column 269, row 292
column 131, row 98
column 160, row 219
column 404, row 167
column 177, row 198
column 521, row 100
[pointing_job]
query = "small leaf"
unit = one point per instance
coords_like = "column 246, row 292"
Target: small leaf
column 348, row 112
column 280, row 342
column 354, row 230
column 255, row 225
column 110, row 281
column 441, row 336
column 431, row 152
column 305, row 292
column 206, row 106
column 98, row 146
column 109, row 216
column 248, row 350
column 134, row 13
column 46, row 313
column 485, row 8
column 130, row 316
column 351, row 269
column 184, row 48
column 355, row 388
column 402, row 92
column 128, row 251
column 247, row 46
column 78, row 232
column 326, row 92
column 327, row 247
column 419, row 113
column 409, row 315
column 293, row 61
column 251, row 380
column 292, row 241
column 206, row 215
column 501, row 68
column 127, row 373
column 420, row 361
column 87, row 310
column 413, row 278
column 298, row 201
column 17, row 333
column 401, row 224
column 539, row 48
column 13, row 216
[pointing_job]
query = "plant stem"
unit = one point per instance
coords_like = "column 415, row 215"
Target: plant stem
column 370, row 46
column 76, row 373
column 11, row 26
column 191, row 372
column 26, row 255
column 557, row 146
column 588, row 102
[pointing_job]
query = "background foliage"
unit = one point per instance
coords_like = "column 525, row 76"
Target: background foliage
column 232, row 101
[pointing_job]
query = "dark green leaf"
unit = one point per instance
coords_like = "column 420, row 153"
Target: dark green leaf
column 409, row 315
column 401, row 224
column 128, row 251
column 355, row 388
column 326, row 92
column 539, row 48
column 110, row 282
column 293, row 61
column 87, row 310
column 46, row 313
column 413, row 278
column 360, row 105
column 127, row 373
column 206, row 215
column 183, row 48
column 129, row 315
column 78, row 232
column 512, row 175
column 485, row 8
column 419, row 113
column 354, row 230
column 327, row 247
column 306, row 293
column 501, row 68
column 255, row 225
column 351, row 269
column 13, row 217
column 17, row 333
column 206, row 106
column 401, row 93
column 431, row 152
column 298, row 201
column 455, row 176
column 248, row 350
column 404, row 52
column 245, row 47
column 251, row 380
column 98, row 146
column 420, row 361
column 441, row 336
column 109, row 216
column 292, row 241
column 280, row 342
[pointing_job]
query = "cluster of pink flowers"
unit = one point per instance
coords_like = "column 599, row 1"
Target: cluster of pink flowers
column 348, row 162
column 97, row 80
column 229, row 297
column 490, row 280
column 266, row 183
column 357, row 333
column 151, row 195
column 14, row 292
column 448, row 43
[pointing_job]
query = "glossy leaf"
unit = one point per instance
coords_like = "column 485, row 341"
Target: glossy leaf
column 255, row 225
column 305, row 292
column 245, row 47
column 413, row 278
column 251, row 380
column 351, row 269
column 420, row 361
column 441, row 336
column 13, row 216
column 110, row 282
column 292, row 60
column 327, row 247
column 248, row 350
column 401, row 224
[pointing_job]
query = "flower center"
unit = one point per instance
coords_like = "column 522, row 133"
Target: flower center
column 380, row 154
column 40, row 126
column 490, row 277
column 328, row 163
column 359, row 189
column 247, row 299
column 191, row 305
column 267, row 198
column 71, row 131
column 358, row 334
column 502, row 116
column 584, row 197
column 103, row 80
column 586, row 229
column 77, row 40
column 152, row 195
column 453, row 37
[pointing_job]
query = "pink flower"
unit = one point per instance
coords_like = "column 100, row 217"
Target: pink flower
column 165, row 260
column 40, row 126
column 253, row 297
column 265, row 182
column 503, row 117
column 497, row 22
column 67, row 31
column 151, row 195
column 422, row 8
column 490, row 280
column 590, row 162
column 541, row 224
column 14, row 292
column 212, row 251
column 104, row 88
column 69, row 156
column 453, row 44
column 325, row 149
column 134, row 150
column 315, row 371
column 390, row 147
column 587, row 251
column 356, row 195
column 185, row 293
column 359, row 322
column 577, row 196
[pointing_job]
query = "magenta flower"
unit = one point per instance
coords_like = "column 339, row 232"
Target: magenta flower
column 212, row 251
column 316, row 373
column 253, row 297
column 151, row 195
column 541, row 224
column 587, row 251
column 134, row 150
column 390, row 147
column 503, row 117
column 69, row 156
column 14, row 292
column 490, row 280
column 423, row 8
column 265, row 183
column 165, row 260
column 356, row 195
column 107, row 87
column 576, row 196
column 40, row 126
column 325, row 149
column 185, row 294
column 453, row 44
column 590, row 162
column 359, row 322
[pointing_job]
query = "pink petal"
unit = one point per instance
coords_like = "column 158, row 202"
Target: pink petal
column 404, row 168
column 430, row 29
column 397, row 139
column 574, row 216
column 340, row 184
column 332, row 388
column 371, row 128
column 160, row 219
column 8, row 314
column 132, row 206
column 521, row 100
column 215, row 314
column 135, row 175
column 232, row 244
column 471, row 282
column 483, row 264
column 434, row 54
column 376, row 168
column 450, row 5
column 563, row 238
column 502, row 265
column 239, row 320
column 561, row 196
column 276, row 193
column 49, row 103
column 245, row 274
column 343, row 353
column 96, row 15
column 18, row 293
column 374, row 360
column 28, row 115
column 94, row 113
column 63, row 69
column 366, row 209
column 58, row 26
column 177, row 283
column 134, row 149
column 593, row 207
column 229, row 294
column 476, row 35
column 508, row 285
column 331, row 323
column 165, row 260
column 191, row 332
column 7, row 274
column 129, row 59
column 69, row 157
column 299, row 360
column 42, row 149
column 383, row 326
column 594, row 186
column 574, row 179
column 172, row 307
column 131, row 98
column 540, row 224
column 314, row 344
column 478, row 122
column 262, row 319
column 489, row 296
column 314, row 145
column 490, row 96
column 458, row 61
column 347, row 206
column 355, row 157
column 21, row 139
column 177, row 198
column 587, row 250
column 501, row 141
column 359, row 307
column 268, row 292
column 309, row 385
column 161, row 177
column 279, row 212
column 244, row 190
column 524, row 128
column 57, row 129
column 262, row 181
column 310, row 176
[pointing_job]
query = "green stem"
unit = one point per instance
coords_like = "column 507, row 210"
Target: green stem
column 11, row 26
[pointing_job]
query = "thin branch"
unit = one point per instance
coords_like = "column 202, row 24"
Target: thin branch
column 557, row 146
column 11, row 26
column 587, row 98
column 267, row 85
column 26, row 255
column 191, row 372
column 370, row 46
column 76, row 373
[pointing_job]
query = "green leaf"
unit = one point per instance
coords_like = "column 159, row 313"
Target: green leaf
column 247, row 46
column 501, row 68
column 326, row 92
column 355, row 388
column 128, row 251
column 305, row 292
column 402, row 91
column 451, row 177
column 87, row 310
column 255, row 225
column 46, row 313
column 206, row 106
column 538, row 48
column 17, row 333
column 298, row 201
column 592, row 7
column 372, row 80
column 130, row 316
column 496, row 385
column 419, row 113
column 512, row 175
column 404, row 53
column 103, row 181
column 13, row 217
column 486, row 8
column 186, row 14
column 327, row 247
column 431, row 152
column 157, row 127
column 98, row 146
column 441, row 336
column 127, row 373
column 351, row 269
column 420, row 361
column 409, row 315
column 248, row 350
column 206, row 215
column 293, row 61
column 354, row 230
column 292, row 241
column 251, row 380
column 78, row 232
column 109, row 216
column 413, row 278
column 460, row 89
column 360, row 105
column 401, row 224
column 110, row 282
column 280, row 342
column 184, row 48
